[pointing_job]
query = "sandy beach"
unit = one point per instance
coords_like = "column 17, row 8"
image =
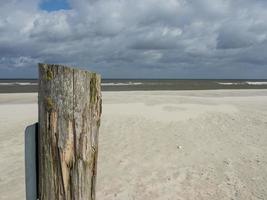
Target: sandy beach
column 160, row 145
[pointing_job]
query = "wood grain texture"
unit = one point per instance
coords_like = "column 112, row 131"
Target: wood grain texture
column 69, row 120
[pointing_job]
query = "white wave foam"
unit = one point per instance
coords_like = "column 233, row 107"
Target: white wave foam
column 19, row 83
column 256, row 83
column 230, row 83
column 243, row 83
column 121, row 84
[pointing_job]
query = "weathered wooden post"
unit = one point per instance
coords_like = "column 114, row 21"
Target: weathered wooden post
column 69, row 120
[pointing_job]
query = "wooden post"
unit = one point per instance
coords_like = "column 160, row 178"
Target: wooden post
column 69, row 120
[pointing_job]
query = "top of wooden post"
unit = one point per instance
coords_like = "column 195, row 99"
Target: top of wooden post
column 74, row 68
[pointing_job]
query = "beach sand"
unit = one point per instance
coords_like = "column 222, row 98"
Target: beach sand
column 160, row 145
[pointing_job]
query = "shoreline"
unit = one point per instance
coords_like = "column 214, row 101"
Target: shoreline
column 232, row 90
column 26, row 91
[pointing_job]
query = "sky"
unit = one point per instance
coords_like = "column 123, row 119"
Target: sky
column 136, row 38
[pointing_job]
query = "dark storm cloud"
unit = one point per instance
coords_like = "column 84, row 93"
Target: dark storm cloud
column 137, row 38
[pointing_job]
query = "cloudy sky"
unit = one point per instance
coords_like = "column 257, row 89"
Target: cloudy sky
column 136, row 38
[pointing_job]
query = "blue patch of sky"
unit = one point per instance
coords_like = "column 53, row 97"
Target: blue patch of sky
column 54, row 5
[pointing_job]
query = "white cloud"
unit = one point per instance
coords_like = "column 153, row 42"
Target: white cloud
column 129, row 34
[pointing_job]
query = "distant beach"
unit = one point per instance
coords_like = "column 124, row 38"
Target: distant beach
column 31, row 85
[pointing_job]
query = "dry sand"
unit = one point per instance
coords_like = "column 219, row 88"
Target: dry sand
column 160, row 145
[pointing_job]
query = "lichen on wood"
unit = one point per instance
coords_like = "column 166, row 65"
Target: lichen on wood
column 93, row 88
column 49, row 74
column 49, row 104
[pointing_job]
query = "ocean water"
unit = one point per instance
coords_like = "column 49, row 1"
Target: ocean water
column 31, row 85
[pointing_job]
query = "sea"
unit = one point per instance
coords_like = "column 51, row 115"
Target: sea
column 31, row 85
